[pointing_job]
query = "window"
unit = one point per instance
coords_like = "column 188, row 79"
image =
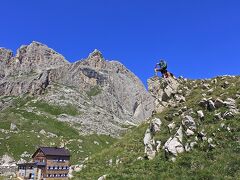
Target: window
column 49, row 167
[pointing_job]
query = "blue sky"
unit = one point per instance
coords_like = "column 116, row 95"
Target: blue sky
column 198, row 38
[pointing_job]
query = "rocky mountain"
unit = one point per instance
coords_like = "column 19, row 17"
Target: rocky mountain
column 113, row 127
column 47, row 101
column 107, row 94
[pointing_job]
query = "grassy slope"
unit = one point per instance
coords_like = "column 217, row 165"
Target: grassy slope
column 30, row 123
column 201, row 163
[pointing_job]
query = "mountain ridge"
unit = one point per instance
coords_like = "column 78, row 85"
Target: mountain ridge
column 37, row 70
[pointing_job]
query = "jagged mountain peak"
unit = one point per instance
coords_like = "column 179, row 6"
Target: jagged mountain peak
column 38, row 49
column 96, row 54
column 35, row 57
column 95, row 60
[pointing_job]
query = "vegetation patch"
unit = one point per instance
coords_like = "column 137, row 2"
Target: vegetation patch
column 221, row 162
column 94, row 91
column 28, row 138
column 54, row 109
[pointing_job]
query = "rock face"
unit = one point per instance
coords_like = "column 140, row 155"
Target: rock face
column 27, row 72
column 122, row 92
column 106, row 92
column 164, row 91
column 5, row 56
column 34, row 58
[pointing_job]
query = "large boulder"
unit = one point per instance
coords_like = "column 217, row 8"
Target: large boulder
column 211, row 105
column 104, row 177
column 219, row 103
column 174, row 146
column 150, row 145
column 171, row 126
column 13, row 127
column 155, row 125
column 189, row 123
column 200, row 114
column 231, row 105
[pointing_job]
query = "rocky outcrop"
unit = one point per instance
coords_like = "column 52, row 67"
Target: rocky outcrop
column 152, row 146
column 149, row 143
column 13, row 127
column 166, row 92
column 231, row 105
column 174, row 145
column 200, row 114
column 8, row 166
column 189, row 123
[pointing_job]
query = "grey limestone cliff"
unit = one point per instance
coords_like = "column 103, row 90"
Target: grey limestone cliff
column 106, row 92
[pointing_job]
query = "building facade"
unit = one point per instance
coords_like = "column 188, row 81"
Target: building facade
column 47, row 163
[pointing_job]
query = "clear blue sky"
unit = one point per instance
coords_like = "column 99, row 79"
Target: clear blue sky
column 198, row 38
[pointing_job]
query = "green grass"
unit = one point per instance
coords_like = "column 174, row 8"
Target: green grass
column 94, row 91
column 220, row 163
column 54, row 109
column 30, row 124
column 201, row 163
